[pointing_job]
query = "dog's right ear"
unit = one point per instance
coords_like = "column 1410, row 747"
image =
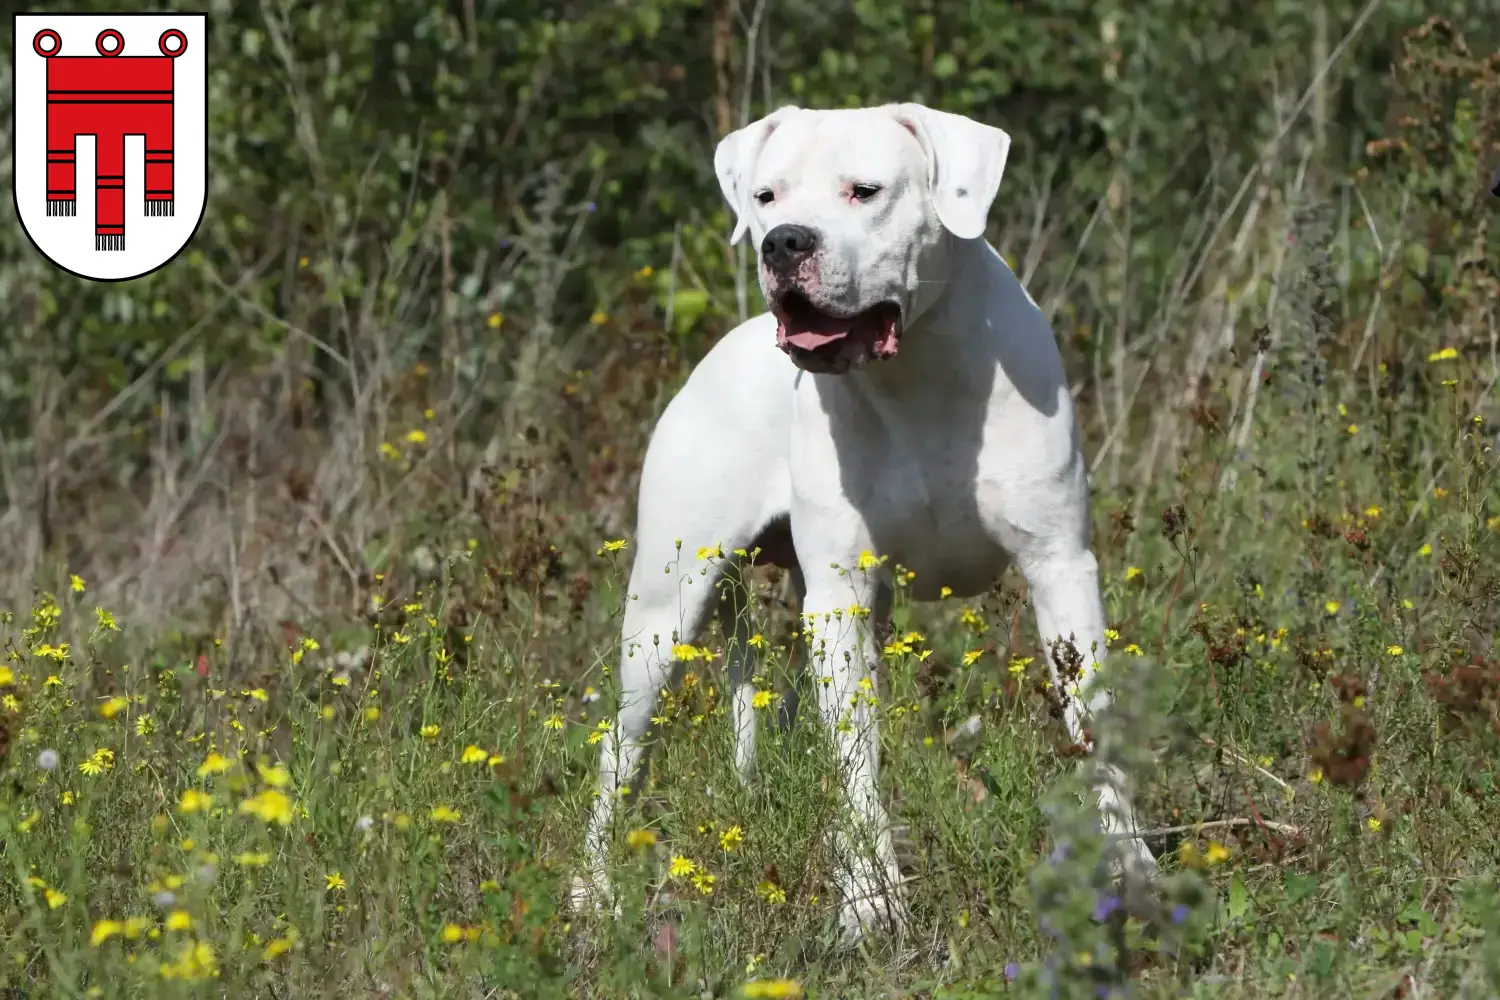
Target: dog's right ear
column 734, row 159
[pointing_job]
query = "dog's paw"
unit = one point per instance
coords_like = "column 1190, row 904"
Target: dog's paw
column 876, row 913
column 585, row 896
column 1132, row 857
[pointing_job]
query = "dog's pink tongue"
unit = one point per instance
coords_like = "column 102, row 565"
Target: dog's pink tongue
column 811, row 340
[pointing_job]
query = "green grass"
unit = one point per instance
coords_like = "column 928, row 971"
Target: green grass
column 405, row 824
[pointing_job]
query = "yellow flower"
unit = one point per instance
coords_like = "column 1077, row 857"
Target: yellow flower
column 444, row 814
column 452, row 934
column 335, row 881
column 614, row 546
column 1394, row 651
column 214, row 763
column 599, row 318
column 731, row 838
column 1216, row 853
column 1131, row 572
column 761, row 699
column 416, row 436
column 603, row 727
column 639, row 840
column 971, row 656
column 76, row 582
column 1315, row 775
column 757, row 640
column 474, row 755
column 1110, row 635
column 430, row 731
column 493, row 320
column 869, row 560
column 279, row 946
column 553, row 721
column 8, row 677
column 372, row 713
column 55, row 898
column 1446, row 354
column 178, row 920
column 1425, row 550
column 1018, row 665
column 194, row 801
column 104, row 930
column 106, row 620
column 681, row 867
column 257, row 694
column 99, row 761
column 1373, row 824
column 51, row 652
column 253, row 859
column 1332, row 607
column 270, row 806
column 276, row 776
column 703, row 882
column 1133, row 649
column 710, row 552
column 773, row 989
column 771, row 892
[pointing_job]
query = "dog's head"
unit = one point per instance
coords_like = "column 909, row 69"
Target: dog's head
column 852, row 213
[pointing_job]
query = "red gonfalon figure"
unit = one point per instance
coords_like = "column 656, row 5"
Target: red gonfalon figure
column 109, row 96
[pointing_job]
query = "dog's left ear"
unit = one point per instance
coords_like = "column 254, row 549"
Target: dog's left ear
column 965, row 161
column 735, row 157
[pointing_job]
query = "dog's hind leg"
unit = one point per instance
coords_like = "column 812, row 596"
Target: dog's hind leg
column 664, row 609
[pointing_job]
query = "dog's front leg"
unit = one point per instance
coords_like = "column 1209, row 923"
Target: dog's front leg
column 838, row 619
column 1064, row 585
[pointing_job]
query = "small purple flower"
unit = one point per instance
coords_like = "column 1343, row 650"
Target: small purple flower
column 1012, row 970
column 1059, row 853
column 505, row 244
column 1105, row 907
column 1180, row 913
column 591, row 207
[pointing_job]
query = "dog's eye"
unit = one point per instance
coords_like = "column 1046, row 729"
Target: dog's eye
column 765, row 197
column 864, row 192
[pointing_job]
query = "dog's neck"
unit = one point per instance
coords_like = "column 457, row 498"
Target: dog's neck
column 936, row 346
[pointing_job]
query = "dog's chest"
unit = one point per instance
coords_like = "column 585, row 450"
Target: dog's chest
column 927, row 512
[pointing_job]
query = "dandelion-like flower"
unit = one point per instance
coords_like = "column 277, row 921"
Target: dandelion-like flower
column 48, row 760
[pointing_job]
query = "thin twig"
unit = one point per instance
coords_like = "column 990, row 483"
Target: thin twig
column 1286, row 829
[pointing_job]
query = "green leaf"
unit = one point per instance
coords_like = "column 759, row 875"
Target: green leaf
column 688, row 306
column 1239, row 898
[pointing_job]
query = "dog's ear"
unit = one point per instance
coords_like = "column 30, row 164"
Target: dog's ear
column 965, row 161
column 733, row 160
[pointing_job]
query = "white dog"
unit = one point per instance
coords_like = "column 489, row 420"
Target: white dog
column 903, row 397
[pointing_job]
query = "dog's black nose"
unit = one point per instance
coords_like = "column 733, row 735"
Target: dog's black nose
column 787, row 246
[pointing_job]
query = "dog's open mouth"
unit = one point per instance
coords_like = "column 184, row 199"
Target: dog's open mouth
column 821, row 342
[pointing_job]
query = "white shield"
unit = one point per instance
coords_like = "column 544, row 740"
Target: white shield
column 110, row 138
